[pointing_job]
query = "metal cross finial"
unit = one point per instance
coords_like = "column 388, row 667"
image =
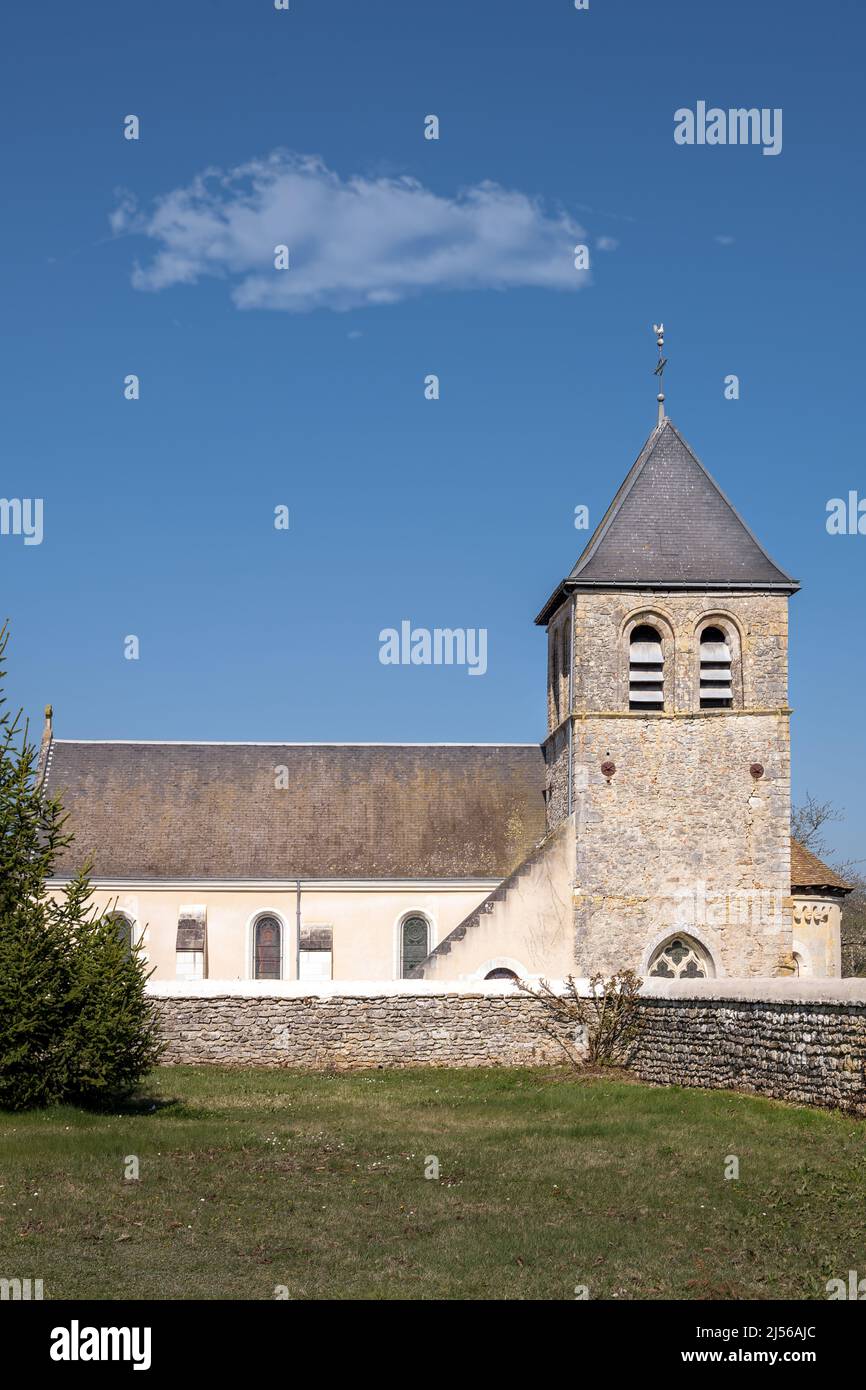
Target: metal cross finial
column 659, row 330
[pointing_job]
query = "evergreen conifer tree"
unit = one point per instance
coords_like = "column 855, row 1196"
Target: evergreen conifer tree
column 75, row 1022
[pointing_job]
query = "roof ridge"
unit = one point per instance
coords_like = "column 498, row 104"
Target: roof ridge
column 276, row 743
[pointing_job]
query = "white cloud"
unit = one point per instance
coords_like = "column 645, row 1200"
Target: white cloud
column 352, row 241
column 606, row 243
column 724, row 240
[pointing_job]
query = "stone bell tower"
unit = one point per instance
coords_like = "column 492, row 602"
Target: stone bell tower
column 668, row 729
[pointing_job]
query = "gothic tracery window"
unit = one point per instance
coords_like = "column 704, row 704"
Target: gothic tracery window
column 681, row 959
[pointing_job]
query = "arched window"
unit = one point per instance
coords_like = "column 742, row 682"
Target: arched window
column 565, row 667
column 681, row 958
column 268, row 948
column 646, row 687
column 554, row 678
column 500, row 973
column 123, row 928
column 414, row 943
column 715, row 673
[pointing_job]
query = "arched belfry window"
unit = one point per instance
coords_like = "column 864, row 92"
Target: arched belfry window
column 715, row 674
column 681, row 958
column 268, row 948
column 414, row 943
column 646, row 672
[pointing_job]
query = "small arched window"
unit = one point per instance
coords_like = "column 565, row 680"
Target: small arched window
column 715, row 673
column 268, row 948
column 646, row 672
column 123, row 928
column 414, row 943
column 682, row 959
column 500, row 973
column 565, row 667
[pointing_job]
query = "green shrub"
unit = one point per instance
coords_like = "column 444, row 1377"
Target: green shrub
column 109, row 1034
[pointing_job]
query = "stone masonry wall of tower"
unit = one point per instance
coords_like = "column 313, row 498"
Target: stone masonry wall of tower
column 683, row 819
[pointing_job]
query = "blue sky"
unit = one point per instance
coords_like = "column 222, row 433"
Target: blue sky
column 458, row 512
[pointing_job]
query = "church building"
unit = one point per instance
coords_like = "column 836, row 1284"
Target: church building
column 650, row 829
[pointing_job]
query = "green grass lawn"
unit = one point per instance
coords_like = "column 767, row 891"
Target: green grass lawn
column 254, row 1179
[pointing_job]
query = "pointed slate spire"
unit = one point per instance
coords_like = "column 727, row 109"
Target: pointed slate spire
column 671, row 526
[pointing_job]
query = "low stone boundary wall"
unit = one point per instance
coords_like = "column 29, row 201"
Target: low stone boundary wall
column 407, row 1030
column 794, row 1041
column 806, row 1053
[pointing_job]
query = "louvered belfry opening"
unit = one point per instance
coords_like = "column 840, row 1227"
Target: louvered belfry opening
column 646, row 690
column 715, row 657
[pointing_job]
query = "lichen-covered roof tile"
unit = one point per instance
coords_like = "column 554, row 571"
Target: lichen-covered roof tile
column 200, row 811
column 808, row 871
